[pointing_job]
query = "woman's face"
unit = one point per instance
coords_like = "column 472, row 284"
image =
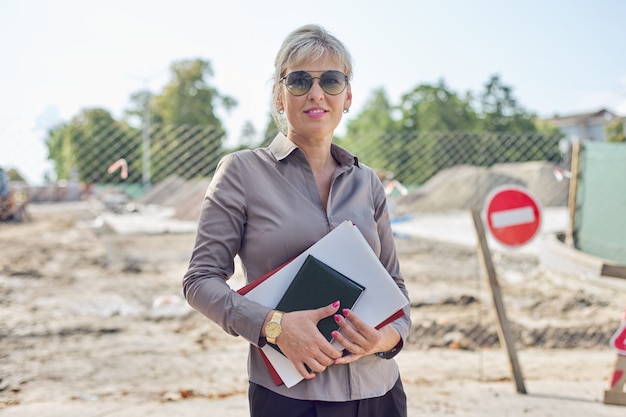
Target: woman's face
column 315, row 114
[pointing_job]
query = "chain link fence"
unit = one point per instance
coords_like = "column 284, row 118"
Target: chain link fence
column 83, row 151
column 423, row 171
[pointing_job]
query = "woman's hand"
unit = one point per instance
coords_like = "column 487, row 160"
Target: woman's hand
column 361, row 339
column 303, row 344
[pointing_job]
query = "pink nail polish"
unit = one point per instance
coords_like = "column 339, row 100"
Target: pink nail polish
column 337, row 318
column 335, row 334
column 336, row 304
column 345, row 312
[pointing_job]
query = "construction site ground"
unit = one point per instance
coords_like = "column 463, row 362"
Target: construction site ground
column 92, row 323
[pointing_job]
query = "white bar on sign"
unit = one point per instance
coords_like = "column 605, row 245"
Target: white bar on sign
column 513, row 217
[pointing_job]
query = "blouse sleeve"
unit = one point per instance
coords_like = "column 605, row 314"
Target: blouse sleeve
column 220, row 230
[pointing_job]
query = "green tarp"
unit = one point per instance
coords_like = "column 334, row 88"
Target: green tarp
column 600, row 221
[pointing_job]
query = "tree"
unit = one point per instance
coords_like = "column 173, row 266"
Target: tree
column 366, row 134
column 429, row 114
column 186, row 110
column 271, row 130
column 92, row 141
column 515, row 135
column 434, row 108
column 438, row 128
column 248, row 134
column 140, row 111
column 616, row 131
column 500, row 112
column 189, row 99
column 15, row 176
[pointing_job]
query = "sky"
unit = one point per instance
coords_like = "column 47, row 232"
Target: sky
column 61, row 56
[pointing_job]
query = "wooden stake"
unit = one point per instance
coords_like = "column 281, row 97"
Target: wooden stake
column 570, row 237
column 504, row 330
column 613, row 270
column 616, row 395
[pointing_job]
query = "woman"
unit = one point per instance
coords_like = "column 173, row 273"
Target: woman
column 268, row 205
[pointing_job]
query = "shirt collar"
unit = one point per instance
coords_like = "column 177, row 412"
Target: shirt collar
column 282, row 147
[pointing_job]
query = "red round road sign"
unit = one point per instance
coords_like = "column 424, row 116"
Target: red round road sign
column 513, row 215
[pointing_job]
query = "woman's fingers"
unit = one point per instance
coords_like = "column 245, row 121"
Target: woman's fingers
column 356, row 336
column 304, row 345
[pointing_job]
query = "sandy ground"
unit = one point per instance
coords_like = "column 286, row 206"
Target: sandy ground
column 92, row 324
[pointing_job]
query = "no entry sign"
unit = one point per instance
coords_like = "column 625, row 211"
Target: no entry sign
column 513, row 215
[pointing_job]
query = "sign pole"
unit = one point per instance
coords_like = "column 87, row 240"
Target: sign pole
column 504, row 330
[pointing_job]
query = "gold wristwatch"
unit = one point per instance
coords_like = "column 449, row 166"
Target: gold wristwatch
column 272, row 328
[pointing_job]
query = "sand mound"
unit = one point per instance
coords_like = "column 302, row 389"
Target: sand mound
column 467, row 187
column 185, row 196
column 458, row 188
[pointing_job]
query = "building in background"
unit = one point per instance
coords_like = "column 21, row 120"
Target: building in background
column 584, row 126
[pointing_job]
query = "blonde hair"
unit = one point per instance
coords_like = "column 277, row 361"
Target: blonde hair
column 309, row 42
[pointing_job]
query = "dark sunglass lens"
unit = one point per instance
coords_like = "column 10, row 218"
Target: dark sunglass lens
column 298, row 83
column 333, row 82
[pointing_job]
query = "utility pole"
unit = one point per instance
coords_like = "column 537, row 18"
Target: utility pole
column 146, row 178
column 145, row 146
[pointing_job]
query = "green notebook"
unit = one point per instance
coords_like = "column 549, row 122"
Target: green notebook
column 318, row 285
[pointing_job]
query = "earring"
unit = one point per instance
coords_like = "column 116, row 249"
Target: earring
column 346, row 111
column 281, row 111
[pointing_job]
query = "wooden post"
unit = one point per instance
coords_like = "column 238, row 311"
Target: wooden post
column 570, row 237
column 504, row 329
column 613, row 270
column 616, row 395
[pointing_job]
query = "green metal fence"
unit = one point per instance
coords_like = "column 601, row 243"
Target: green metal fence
column 424, row 171
column 600, row 221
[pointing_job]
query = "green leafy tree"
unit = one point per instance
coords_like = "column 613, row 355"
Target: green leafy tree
column 61, row 149
column 248, row 134
column 500, row 112
column 189, row 99
column 429, row 113
column 87, row 145
column 247, row 139
column 14, row 175
column 186, row 110
column 271, row 130
column 616, row 131
column 367, row 135
column 517, row 135
column 141, row 111
column 435, row 108
column 438, row 128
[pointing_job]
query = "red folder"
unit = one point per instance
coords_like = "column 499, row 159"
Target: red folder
column 243, row 291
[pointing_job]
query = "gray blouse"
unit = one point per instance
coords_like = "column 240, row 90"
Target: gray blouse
column 264, row 206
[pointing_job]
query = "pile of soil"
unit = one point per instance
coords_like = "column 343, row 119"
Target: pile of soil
column 467, row 187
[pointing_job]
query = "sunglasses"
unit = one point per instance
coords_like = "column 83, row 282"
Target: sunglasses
column 299, row 83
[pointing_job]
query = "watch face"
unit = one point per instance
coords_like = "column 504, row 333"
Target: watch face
column 272, row 329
